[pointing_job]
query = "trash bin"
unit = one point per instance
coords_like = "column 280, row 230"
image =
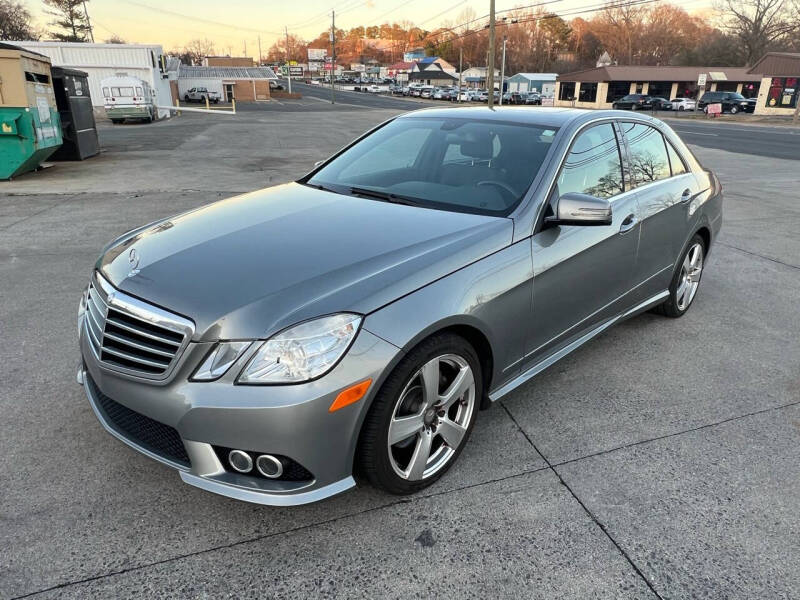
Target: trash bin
column 78, row 127
column 30, row 127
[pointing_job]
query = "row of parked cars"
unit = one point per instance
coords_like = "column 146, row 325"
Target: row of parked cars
column 731, row 102
column 453, row 93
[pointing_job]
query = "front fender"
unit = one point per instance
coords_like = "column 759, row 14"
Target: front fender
column 492, row 295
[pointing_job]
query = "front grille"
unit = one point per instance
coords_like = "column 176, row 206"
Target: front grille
column 130, row 336
column 143, row 431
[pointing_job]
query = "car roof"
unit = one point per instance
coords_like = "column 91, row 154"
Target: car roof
column 547, row 116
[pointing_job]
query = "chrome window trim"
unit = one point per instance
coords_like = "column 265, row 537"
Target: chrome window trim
column 126, row 304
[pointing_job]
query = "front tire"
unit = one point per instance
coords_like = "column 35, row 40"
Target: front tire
column 422, row 416
column 734, row 110
column 685, row 281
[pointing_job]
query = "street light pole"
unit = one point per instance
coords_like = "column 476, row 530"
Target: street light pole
column 503, row 69
column 461, row 70
column 288, row 62
column 333, row 46
column 490, row 60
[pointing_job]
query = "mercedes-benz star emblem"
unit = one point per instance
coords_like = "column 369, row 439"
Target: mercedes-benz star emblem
column 133, row 262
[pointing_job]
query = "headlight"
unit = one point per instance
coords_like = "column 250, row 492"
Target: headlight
column 303, row 352
column 219, row 360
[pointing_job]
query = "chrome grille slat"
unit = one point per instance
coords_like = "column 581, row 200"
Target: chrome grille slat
column 147, row 334
column 138, row 345
column 134, row 358
column 131, row 336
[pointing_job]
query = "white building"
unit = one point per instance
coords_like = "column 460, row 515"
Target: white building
column 108, row 60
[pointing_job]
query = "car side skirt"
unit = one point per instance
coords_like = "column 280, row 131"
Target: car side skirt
column 561, row 353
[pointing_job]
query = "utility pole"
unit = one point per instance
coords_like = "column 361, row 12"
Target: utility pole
column 461, row 70
column 259, row 51
column 503, row 69
column 333, row 53
column 88, row 22
column 490, row 61
column 288, row 67
column 245, row 47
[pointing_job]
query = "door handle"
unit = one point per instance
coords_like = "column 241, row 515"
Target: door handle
column 628, row 223
column 686, row 196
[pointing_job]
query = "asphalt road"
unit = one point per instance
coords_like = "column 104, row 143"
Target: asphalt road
column 758, row 140
column 661, row 460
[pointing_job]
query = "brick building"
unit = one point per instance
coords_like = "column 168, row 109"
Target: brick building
column 245, row 84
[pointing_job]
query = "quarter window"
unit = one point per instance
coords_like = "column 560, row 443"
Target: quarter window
column 675, row 161
column 648, row 152
column 593, row 165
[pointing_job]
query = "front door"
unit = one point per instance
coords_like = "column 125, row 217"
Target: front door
column 229, row 92
column 582, row 275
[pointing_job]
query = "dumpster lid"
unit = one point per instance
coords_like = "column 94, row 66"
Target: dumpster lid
column 61, row 71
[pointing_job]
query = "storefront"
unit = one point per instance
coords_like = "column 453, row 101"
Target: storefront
column 600, row 87
column 780, row 86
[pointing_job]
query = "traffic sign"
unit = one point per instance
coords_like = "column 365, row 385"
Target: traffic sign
column 701, row 80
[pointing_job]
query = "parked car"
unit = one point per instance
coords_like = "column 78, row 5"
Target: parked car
column 731, row 102
column 374, row 89
column 481, row 96
column 199, row 94
column 466, row 95
column 751, row 105
column 375, row 348
column 633, row 102
column 533, row 98
column 658, row 103
column 683, row 104
column 426, row 92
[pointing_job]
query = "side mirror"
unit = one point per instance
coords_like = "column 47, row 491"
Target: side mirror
column 581, row 209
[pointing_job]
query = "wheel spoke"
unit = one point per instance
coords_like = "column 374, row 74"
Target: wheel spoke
column 430, row 382
column 451, row 432
column 679, row 293
column 456, row 390
column 402, row 428
column 694, row 274
column 695, row 255
column 419, row 460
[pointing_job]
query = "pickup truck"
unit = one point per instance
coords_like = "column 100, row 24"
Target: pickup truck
column 199, row 94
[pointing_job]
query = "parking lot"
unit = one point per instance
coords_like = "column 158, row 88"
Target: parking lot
column 660, row 460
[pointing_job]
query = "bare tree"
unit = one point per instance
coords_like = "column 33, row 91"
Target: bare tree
column 760, row 24
column 114, row 39
column 70, row 18
column 15, row 22
column 198, row 49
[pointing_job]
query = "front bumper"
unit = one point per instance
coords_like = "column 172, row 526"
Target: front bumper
column 287, row 420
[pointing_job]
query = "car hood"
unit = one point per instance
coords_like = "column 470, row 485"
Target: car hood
column 254, row 264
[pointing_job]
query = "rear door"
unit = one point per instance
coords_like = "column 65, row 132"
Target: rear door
column 583, row 274
column 664, row 189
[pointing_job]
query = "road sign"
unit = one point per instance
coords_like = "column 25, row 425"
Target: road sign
column 701, row 80
column 296, row 71
column 714, row 109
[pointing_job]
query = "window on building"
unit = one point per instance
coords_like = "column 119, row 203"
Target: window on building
column 661, row 89
column 587, row 92
column 783, row 92
column 648, row 152
column 639, row 88
column 566, row 90
column 105, row 92
column 727, row 86
column 617, row 89
column 750, row 90
column 676, row 163
column 139, row 91
column 687, row 89
column 593, row 165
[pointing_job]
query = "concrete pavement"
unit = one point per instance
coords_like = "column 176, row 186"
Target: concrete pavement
column 660, row 460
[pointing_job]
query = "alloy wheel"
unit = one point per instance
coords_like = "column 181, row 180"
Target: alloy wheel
column 430, row 419
column 689, row 280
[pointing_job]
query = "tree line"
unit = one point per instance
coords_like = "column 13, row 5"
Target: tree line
column 738, row 33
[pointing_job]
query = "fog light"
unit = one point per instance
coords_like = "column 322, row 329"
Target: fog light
column 240, row 461
column 269, row 466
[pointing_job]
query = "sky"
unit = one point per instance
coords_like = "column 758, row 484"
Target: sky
column 233, row 25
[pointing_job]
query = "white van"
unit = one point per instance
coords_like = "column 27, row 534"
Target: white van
column 128, row 98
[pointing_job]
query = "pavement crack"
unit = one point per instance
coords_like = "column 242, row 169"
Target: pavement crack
column 756, row 254
column 258, row 538
column 591, row 515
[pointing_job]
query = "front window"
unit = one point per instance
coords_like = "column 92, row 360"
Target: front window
column 617, row 90
column 566, row 91
column 783, row 92
column 124, row 92
column 587, row 92
column 593, row 165
column 476, row 166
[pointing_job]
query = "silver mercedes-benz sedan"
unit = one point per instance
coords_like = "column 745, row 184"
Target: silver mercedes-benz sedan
column 272, row 345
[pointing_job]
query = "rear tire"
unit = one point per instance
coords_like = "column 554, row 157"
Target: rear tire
column 116, row 121
column 187, row 99
column 685, row 281
column 413, row 433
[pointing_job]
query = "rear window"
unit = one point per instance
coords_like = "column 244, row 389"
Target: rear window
column 125, row 92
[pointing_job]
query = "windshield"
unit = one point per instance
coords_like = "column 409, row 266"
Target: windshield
column 465, row 165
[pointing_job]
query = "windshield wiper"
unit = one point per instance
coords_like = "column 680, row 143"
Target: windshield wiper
column 317, row 186
column 384, row 196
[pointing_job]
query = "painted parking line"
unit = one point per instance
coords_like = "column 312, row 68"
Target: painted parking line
column 696, row 132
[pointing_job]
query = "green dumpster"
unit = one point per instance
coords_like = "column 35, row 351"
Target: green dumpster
column 30, row 126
